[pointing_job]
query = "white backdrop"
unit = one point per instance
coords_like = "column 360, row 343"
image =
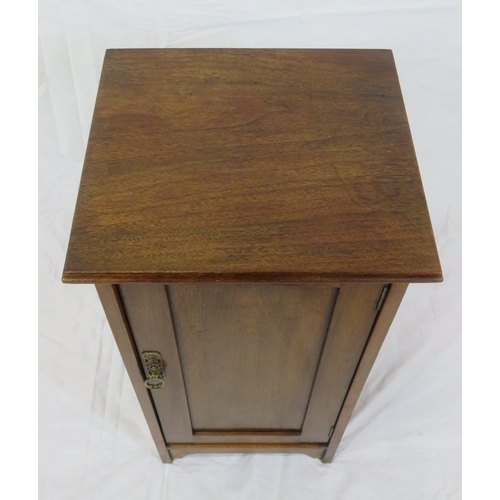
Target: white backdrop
column 403, row 441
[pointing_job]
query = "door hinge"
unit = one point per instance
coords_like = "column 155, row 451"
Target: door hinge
column 331, row 432
column 380, row 300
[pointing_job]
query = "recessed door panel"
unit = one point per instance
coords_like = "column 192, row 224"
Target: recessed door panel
column 249, row 353
column 251, row 363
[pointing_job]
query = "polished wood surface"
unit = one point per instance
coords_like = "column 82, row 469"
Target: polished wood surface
column 140, row 318
column 350, row 327
column 250, row 165
column 241, row 212
column 149, row 317
column 249, row 353
column 251, row 364
column 117, row 319
column 377, row 336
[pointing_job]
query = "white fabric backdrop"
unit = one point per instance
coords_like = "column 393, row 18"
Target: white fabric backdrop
column 403, row 440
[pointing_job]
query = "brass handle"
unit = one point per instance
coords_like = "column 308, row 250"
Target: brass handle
column 155, row 373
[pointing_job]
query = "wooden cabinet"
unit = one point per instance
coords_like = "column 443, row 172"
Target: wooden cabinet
column 251, row 220
column 250, row 367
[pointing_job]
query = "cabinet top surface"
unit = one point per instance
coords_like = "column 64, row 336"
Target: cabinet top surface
column 250, row 165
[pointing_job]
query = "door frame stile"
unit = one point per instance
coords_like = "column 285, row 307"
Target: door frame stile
column 118, row 322
column 150, row 319
column 349, row 329
column 375, row 340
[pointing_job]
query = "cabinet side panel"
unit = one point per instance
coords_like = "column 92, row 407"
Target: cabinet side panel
column 249, row 353
column 350, row 327
column 119, row 326
column 377, row 336
column 148, row 313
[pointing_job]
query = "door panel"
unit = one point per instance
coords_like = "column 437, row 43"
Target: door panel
column 251, row 363
column 249, row 353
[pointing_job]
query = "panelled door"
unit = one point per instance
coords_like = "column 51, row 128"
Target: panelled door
column 251, row 363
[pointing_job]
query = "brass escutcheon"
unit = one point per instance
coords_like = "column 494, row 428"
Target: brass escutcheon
column 155, row 373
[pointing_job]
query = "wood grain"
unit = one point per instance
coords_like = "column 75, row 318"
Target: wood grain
column 118, row 322
column 377, row 336
column 250, row 165
column 148, row 313
column 249, row 353
column 226, row 196
column 349, row 330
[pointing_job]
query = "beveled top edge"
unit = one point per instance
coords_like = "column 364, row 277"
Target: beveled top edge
column 235, row 278
column 257, row 49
